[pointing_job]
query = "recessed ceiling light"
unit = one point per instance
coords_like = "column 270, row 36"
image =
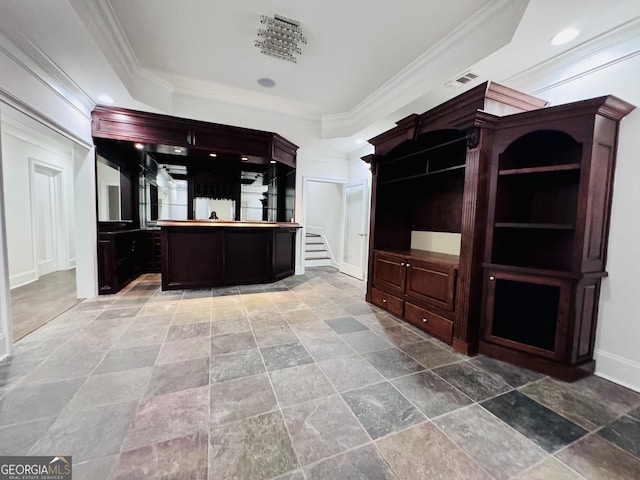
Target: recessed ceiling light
column 244, row 159
column 214, row 155
column 272, row 161
column 105, row 98
column 564, row 36
column 139, row 146
column 177, row 150
column 266, row 82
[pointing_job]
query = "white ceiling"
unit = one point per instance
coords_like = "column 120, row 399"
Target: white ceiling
column 367, row 62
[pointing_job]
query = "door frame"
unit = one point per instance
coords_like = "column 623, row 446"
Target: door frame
column 305, row 194
column 361, row 275
column 61, row 240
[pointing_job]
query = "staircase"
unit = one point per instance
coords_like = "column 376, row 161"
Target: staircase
column 316, row 253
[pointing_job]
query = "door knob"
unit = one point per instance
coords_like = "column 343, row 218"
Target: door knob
column 425, row 320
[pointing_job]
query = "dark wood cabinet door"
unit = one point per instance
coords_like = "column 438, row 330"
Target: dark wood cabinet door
column 389, row 272
column 527, row 313
column 191, row 258
column 431, row 283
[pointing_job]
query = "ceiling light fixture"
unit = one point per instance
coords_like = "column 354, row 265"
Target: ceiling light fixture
column 214, row 155
column 564, row 36
column 280, row 38
column 177, row 150
column 139, row 146
column 272, row 161
column 244, row 159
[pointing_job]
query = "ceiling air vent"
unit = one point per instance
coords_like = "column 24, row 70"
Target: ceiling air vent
column 461, row 80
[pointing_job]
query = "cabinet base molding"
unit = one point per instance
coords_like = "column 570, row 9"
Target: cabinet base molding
column 463, row 347
column 569, row 373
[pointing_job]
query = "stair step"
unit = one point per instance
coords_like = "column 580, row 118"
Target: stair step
column 317, row 262
column 317, row 254
column 312, row 235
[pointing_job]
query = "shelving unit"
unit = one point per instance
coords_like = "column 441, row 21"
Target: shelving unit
column 545, row 252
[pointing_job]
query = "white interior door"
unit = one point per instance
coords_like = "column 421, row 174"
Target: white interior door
column 44, row 212
column 354, row 242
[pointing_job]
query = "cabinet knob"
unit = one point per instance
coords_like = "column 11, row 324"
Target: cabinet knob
column 402, row 264
column 492, row 278
column 408, row 265
column 384, row 300
column 425, row 320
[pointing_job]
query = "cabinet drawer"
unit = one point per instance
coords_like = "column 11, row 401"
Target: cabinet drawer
column 431, row 323
column 390, row 303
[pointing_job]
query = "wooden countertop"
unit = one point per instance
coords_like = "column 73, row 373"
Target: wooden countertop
column 225, row 224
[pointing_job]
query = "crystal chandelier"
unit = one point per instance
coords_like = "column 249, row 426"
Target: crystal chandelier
column 280, row 38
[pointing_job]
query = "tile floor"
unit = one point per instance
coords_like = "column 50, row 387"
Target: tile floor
column 295, row 380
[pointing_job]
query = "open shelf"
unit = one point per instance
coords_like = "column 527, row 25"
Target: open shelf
column 543, row 169
column 536, row 226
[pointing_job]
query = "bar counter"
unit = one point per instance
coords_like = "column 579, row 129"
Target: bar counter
column 211, row 253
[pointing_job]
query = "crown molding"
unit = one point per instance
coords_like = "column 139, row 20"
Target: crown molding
column 37, row 64
column 432, row 68
column 614, row 46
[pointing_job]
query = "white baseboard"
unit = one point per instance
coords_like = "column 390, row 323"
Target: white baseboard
column 618, row 369
column 72, row 263
column 299, row 270
column 23, row 278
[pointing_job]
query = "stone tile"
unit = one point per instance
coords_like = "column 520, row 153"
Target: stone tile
column 284, row 356
column 360, row 308
column 425, row 452
column 197, row 293
column 191, row 316
column 511, row 374
column 323, row 346
column 381, row 409
column 365, row 341
column 300, row 316
column 322, row 428
column 225, row 291
column 497, row 448
column 194, row 304
column 378, row 319
column 128, row 358
column 432, row 395
column 119, row 313
column 164, row 320
column 236, row 365
column 625, row 433
column 596, row 459
column 268, row 337
column 169, row 416
column 181, row 350
column 173, row 377
column 473, row 382
column 393, row 363
column 253, row 448
column 100, row 468
column 178, row 458
column 229, row 313
column 233, row 342
column 26, row 403
column 607, row 393
column 18, row 439
column 349, row 372
column 550, row 469
column 61, row 367
column 535, row 421
column 188, row 330
column 329, row 312
column 11, row 370
column 398, row 335
column 267, row 320
column 345, row 325
column 562, row 399
column 364, row 463
column 300, row 384
column 635, row 413
column 234, row 325
column 139, row 335
column 108, row 388
column 241, row 398
column 76, row 432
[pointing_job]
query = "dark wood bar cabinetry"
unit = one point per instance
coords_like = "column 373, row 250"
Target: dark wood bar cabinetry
column 152, row 167
column 526, row 191
column 202, row 254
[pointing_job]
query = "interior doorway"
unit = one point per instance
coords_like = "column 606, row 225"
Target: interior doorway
column 355, row 229
column 45, row 194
